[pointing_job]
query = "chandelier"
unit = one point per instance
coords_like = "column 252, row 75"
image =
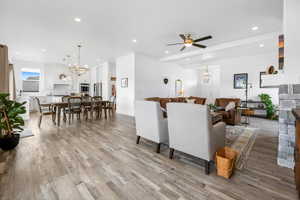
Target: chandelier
column 77, row 68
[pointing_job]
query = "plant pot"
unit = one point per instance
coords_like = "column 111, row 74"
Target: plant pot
column 9, row 142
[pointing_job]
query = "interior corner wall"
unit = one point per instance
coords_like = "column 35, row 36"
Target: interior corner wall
column 125, row 68
column 292, row 40
column 149, row 75
column 108, row 70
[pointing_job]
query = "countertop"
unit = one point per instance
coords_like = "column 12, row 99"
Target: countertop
column 296, row 113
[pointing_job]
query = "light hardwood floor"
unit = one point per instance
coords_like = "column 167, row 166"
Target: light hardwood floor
column 100, row 160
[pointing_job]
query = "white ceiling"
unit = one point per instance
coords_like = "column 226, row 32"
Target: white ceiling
column 252, row 46
column 108, row 27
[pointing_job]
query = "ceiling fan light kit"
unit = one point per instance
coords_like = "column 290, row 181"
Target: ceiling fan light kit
column 188, row 41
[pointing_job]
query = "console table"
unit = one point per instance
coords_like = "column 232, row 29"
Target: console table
column 255, row 109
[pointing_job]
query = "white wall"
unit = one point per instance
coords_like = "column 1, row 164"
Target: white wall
column 211, row 89
column 145, row 79
column 149, row 75
column 292, row 40
column 108, row 70
column 125, row 68
column 252, row 65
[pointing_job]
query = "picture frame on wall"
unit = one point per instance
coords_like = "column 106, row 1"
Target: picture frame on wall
column 240, row 81
column 268, row 80
column 124, row 82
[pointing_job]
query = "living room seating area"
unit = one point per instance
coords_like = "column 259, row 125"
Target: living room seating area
column 188, row 127
column 227, row 107
column 187, row 124
column 231, row 115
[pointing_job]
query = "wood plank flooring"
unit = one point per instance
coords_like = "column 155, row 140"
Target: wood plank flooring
column 100, row 160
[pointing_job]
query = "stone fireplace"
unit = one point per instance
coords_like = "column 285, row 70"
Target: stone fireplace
column 289, row 98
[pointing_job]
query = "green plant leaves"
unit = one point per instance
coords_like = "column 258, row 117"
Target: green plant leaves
column 270, row 107
column 13, row 110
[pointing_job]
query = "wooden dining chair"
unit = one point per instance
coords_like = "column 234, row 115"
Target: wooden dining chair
column 97, row 106
column 74, row 107
column 65, row 99
column 112, row 104
column 87, row 106
column 45, row 110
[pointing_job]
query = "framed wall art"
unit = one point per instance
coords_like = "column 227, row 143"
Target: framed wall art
column 268, row 80
column 240, row 81
column 124, row 82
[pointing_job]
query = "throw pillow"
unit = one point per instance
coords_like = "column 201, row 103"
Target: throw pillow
column 230, row 105
column 190, row 101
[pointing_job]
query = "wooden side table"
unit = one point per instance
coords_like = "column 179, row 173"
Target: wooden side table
column 216, row 117
column 246, row 111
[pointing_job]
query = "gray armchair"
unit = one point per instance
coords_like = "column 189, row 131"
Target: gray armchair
column 191, row 131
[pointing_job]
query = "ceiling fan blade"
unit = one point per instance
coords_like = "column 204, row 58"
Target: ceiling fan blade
column 199, row 45
column 174, row 44
column 182, row 36
column 182, row 48
column 203, row 38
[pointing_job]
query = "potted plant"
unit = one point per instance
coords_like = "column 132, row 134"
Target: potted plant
column 212, row 107
column 10, row 122
column 270, row 107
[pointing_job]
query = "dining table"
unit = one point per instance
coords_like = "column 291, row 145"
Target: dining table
column 59, row 106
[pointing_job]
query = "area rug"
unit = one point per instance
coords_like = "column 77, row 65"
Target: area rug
column 241, row 139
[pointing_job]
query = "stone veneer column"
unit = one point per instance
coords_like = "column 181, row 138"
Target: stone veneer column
column 289, row 98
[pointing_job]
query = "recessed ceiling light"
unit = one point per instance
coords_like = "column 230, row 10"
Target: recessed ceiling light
column 77, row 19
column 167, row 52
column 254, row 28
column 134, row 41
column 44, row 50
column 261, row 45
column 187, row 59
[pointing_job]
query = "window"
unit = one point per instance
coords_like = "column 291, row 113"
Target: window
column 31, row 80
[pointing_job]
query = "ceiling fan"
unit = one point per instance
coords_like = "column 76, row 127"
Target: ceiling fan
column 189, row 41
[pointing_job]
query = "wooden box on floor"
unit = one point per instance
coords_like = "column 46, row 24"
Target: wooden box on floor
column 225, row 160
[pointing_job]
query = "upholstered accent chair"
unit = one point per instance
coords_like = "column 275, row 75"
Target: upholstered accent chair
column 231, row 117
column 191, row 131
column 150, row 123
